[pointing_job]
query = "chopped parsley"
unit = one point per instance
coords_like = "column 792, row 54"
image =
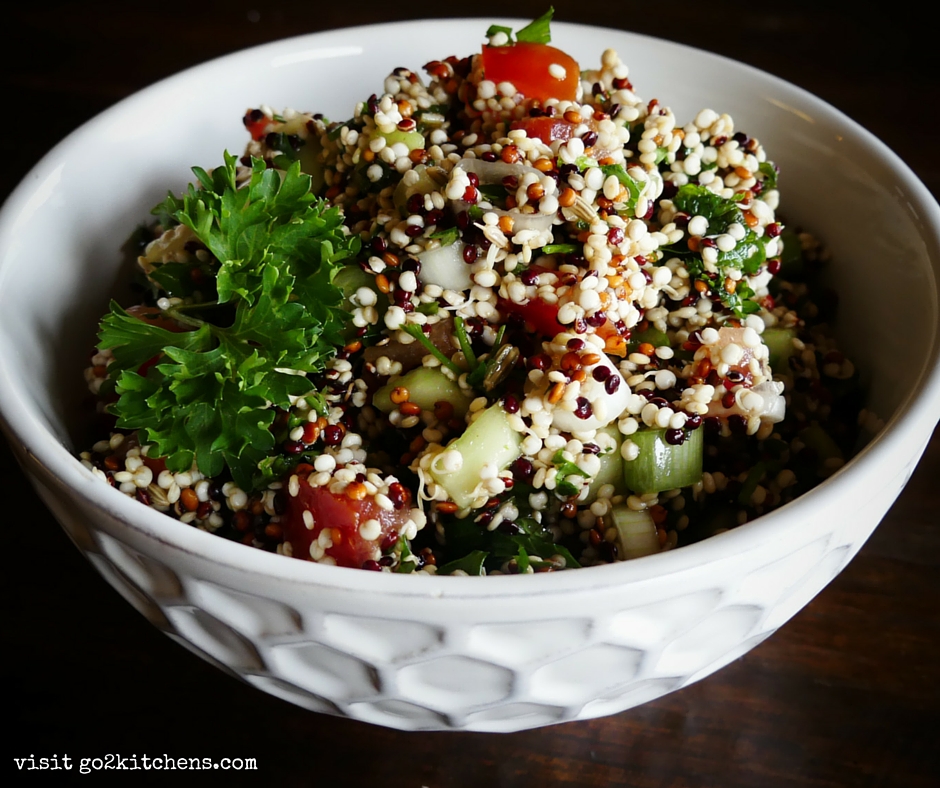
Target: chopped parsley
column 565, row 469
column 747, row 256
column 492, row 549
column 769, row 170
column 633, row 188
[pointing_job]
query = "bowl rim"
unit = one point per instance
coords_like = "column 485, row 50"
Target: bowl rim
column 53, row 461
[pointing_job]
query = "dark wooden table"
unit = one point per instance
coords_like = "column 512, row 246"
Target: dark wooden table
column 846, row 694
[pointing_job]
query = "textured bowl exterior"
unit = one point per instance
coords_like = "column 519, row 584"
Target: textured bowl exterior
column 493, row 654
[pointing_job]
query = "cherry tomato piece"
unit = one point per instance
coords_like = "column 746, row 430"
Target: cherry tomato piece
column 546, row 129
column 537, row 71
column 256, row 122
column 541, row 316
column 351, row 539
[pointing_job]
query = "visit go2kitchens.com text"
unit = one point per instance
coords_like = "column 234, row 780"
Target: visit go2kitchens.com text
column 115, row 762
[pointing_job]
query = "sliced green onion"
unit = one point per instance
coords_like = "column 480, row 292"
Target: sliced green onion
column 779, row 342
column 636, row 531
column 662, row 466
column 464, row 341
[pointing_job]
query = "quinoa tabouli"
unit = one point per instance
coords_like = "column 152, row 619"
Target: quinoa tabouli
column 508, row 318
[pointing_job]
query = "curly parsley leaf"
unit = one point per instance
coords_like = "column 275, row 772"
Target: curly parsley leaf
column 166, row 211
column 209, row 395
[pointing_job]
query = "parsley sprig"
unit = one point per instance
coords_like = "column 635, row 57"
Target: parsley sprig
column 209, row 394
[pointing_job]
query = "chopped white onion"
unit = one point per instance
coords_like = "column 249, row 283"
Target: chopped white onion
column 493, row 172
column 445, row 267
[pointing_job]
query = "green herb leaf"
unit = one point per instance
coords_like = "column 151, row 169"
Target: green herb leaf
column 696, row 200
column 493, row 193
column 472, row 564
column 747, row 255
column 177, row 279
column 493, row 30
column 769, row 171
column 626, row 181
column 166, row 211
column 582, row 162
column 212, row 393
column 406, row 560
column 566, row 467
column 537, row 31
column 447, row 237
column 281, row 143
column 463, row 537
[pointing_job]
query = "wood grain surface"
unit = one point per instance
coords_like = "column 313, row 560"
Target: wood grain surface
column 846, row 694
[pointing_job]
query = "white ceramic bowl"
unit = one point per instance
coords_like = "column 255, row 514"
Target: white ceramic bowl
column 493, row 654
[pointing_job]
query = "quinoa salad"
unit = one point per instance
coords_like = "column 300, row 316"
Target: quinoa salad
column 509, row 317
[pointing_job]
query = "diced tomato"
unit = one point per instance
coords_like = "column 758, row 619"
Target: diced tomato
column 541, row 316
column 156, row 464
column 256, row 122
column 557, row 128
column 546, row 129
column 529, row 66
column 342, row 517
column 550, row 129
